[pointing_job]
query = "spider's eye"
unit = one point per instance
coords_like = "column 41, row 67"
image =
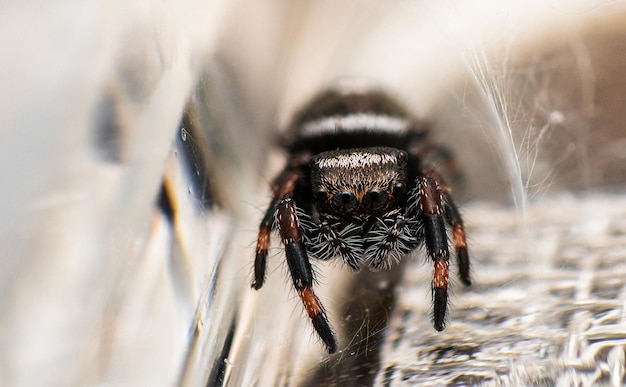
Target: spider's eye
column 375, row 199
column 399, row 189
column 320, row 194
column 344, row 201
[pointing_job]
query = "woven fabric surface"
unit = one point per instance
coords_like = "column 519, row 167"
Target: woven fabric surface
column 546, row 307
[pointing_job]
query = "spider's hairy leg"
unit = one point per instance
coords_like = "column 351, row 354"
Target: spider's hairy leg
column 454, row 219
column 429, row 153
column 301, row 272
column 431, row 203
column 283, row 187
column 263, row 244
column 445, row 160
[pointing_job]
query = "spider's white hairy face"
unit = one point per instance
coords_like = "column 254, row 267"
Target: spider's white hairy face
column 359, row 171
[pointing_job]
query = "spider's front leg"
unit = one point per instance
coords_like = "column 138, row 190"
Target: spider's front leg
column 282, row 214
column 283, row 187
column 430, row 199
column 301, row 272
column 437, row 209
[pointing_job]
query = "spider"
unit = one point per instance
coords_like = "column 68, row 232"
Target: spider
column 360, row 184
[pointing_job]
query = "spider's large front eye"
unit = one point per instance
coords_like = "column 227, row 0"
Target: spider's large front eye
column 344, row 201
column 375, row 199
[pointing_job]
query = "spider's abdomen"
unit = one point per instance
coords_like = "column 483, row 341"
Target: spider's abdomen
column 347, row 121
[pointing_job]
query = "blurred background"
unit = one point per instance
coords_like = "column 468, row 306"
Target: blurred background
column 137, row 146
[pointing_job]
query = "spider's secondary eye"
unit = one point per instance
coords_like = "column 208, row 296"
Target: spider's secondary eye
column 375, row 199
column 320, row 194
column 399, row 189
column 345, row 201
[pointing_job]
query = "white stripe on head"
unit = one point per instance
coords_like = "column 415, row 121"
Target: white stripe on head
column 357, row 160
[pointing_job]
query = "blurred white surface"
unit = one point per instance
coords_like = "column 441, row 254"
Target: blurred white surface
column 77, row 208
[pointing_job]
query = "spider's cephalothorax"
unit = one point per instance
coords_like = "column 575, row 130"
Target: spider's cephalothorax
column 360, row 185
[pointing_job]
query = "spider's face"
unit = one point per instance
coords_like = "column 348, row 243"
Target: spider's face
column 358, row 183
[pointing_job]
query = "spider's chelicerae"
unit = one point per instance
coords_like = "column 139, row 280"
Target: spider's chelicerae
column 360, row 184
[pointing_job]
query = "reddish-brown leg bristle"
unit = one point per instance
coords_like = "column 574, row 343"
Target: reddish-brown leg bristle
column 440, row 293
column 318, row 317
column 262, row 245
column 460, row 244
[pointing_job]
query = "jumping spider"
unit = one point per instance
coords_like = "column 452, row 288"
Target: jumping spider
column 360, row 184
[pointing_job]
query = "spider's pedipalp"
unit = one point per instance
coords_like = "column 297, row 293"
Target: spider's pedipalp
column 333, row 239
column 389, row 241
